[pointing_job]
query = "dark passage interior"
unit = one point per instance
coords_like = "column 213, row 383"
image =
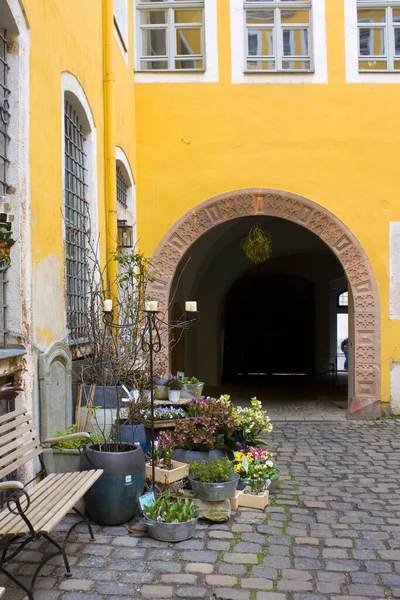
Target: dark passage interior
column 270, row 326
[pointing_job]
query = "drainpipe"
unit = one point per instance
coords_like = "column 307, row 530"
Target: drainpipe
column 109, row 146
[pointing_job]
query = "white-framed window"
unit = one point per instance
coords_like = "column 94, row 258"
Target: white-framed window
column 278, row 41
column 278, row 36
column 171, row 35
column 378, row 27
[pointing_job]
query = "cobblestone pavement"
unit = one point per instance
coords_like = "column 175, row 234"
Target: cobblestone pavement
column 331, row 532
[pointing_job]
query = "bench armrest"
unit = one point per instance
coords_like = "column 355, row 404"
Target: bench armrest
column 70, row 436
column 11, row 485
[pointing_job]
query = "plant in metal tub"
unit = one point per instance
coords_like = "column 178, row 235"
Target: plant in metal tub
column 171, row 519
column 213, row 481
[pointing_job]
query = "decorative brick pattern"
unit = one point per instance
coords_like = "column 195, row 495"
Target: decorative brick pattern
column 325, row 225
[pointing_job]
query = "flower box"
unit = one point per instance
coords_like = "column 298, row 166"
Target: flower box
column 179, row 471
column 259, row 501
column 235, row 500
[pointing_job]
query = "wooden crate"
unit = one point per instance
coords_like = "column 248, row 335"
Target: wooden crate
column 179, row 471
column 259, row 501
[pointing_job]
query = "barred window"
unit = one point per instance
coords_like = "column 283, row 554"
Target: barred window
column 122, row 188
column 4, row 112
column 171, row 35
column 278, row 35
column 378, row 35
column 76, row 222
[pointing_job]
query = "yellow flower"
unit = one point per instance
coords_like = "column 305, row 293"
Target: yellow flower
column 249, row 457
column 239, row 456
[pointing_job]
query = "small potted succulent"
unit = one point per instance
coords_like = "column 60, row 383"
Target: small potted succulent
column 192, row 387
column 213, row 481
column 174, row 385
column 166, row 470
column 171, row 519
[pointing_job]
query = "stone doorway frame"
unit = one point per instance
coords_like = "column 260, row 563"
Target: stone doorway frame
column 317, row 219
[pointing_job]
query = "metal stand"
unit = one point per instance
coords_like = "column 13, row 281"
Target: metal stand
column 151, row 343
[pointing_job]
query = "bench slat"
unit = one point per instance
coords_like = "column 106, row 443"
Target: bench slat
column 36, row 495
column 84, row 486
column 12, row 425
column 13, row 415
column 4, row 439
column 22, row 461
column 17, row 447
column 51, row 500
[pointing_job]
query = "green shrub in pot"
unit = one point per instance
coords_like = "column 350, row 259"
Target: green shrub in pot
column 214, row 480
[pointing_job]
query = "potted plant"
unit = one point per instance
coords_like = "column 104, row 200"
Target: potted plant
column 171, row 519
column 174, row 385
column 131, row 428
column 164, row 418
column 166, row 470
column 65, row 454
column 254, row 464
column 255, row 467
column 213, row 481
column 111, row 358
column 208, row 432
column 192, row 387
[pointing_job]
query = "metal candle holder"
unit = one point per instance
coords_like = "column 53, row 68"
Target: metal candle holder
column 151, row 344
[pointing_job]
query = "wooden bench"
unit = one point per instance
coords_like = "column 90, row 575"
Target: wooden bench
column 34, row 509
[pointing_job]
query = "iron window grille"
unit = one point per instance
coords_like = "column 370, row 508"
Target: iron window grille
column 378, row 35
column 122, row 188
column 76, row 223
column 278, row 36
column 171, row 35
column 4, row 112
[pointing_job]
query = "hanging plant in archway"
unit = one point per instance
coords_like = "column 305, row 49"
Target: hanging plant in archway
column 257, row 245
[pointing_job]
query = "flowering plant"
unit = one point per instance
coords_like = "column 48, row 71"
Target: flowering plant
column 166, row 413
column 257, row 465
column 174, row 383
column 252, row 422
column 162, row 452
column 216, row 423
column 213, row 425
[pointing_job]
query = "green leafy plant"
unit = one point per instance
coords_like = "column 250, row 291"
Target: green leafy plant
column 75, row 443
column 216, row 471
column 171, row 510
column 190, row 380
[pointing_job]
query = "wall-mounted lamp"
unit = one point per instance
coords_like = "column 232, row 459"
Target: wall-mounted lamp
column 125, row 235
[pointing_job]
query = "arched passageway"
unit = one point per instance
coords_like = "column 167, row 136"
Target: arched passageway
column 340, row 245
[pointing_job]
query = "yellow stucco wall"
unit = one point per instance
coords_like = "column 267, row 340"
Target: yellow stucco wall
column 333, row 143
column 67, row 37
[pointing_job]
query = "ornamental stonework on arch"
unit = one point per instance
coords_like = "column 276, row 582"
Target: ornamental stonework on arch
column 326, row 226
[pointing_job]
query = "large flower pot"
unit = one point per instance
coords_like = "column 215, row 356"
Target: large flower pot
column 171, row 532
column 132, row 433
column 189, row 456
column 113, row 499
column 215, row 492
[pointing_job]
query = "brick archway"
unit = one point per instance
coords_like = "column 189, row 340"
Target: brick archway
column 315, row 218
